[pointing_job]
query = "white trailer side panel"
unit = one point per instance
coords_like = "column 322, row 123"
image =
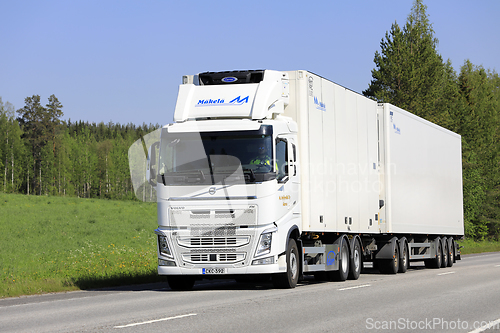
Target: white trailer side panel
column 423, row 175
column 338, row 155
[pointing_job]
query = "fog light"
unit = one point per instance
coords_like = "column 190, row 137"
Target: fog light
column 162, row 262
column 263, row 261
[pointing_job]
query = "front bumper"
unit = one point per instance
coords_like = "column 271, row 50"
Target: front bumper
column 253, row 269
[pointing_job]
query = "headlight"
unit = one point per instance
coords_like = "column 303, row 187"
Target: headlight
column 264, row 246
column 163, row 245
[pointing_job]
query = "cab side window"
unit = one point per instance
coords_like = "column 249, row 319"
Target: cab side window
column 281, row 159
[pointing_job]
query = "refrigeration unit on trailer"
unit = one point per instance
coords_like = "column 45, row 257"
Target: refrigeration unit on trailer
column 285, row 174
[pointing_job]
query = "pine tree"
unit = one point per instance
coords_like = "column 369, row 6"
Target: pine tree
column 409, row 70
column 480, row 127
column 39, row 125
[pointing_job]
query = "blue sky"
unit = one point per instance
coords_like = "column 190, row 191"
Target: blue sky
column 122, row 61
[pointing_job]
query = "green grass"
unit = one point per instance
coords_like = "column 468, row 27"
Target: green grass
column 470, row 246
column 50, row 244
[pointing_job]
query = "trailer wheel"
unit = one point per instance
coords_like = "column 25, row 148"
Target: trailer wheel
column 435, row 262
column 403, row 260
column 289, row 279
column 390, row 266
column 343, row 272
column 444, row 261
column 451, row 251
column 356, row 263
column 180, row 282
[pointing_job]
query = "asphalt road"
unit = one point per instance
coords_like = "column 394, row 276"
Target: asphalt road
column 461, row 298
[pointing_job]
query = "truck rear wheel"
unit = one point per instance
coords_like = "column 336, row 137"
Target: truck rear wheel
column 343, row 272
column 180, row 282
column 356, row 262
column 289, row 279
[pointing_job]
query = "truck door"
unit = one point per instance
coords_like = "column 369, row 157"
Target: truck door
column 287, row 172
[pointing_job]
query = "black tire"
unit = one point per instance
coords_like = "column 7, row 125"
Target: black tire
column 390, row 266
column 356, row 262
column 343, row 272
column 180, row 282
column 445, row 252
column 404, row 261
column 289, row 279
column 451, row 249
column 435, row 262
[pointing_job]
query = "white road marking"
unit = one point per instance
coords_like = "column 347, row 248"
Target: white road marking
column 446, row 273
column 475, row 255
column 492, row 324
column 355, row 287
column 155, row 321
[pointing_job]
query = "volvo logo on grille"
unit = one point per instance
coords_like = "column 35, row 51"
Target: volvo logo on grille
column 212, row 190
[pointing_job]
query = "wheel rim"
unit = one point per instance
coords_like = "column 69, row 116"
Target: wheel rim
column 344, row 261
column 356, row 259
column 293, row 265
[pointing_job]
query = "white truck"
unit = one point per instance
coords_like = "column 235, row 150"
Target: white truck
column 346, row 181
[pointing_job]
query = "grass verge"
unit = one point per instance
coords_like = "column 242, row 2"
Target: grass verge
column 50, row 244
column 470, row 246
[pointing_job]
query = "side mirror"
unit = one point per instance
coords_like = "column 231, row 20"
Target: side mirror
column 151, row 166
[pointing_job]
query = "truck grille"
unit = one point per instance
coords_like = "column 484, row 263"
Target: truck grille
column 214, row 218
column 213, row 241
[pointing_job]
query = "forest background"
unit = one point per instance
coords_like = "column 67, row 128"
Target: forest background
column 42, row 155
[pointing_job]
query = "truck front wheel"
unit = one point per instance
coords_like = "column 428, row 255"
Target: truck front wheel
column 291, row 277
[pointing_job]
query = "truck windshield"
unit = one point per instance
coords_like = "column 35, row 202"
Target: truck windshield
column 216, row 157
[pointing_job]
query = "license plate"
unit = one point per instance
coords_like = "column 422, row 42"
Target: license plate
column 213, row 271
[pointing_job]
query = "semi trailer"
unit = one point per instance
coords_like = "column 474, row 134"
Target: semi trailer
column 282, row 174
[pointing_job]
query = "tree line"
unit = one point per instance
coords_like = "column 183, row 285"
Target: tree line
column 43, row 155
column 411, row 74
